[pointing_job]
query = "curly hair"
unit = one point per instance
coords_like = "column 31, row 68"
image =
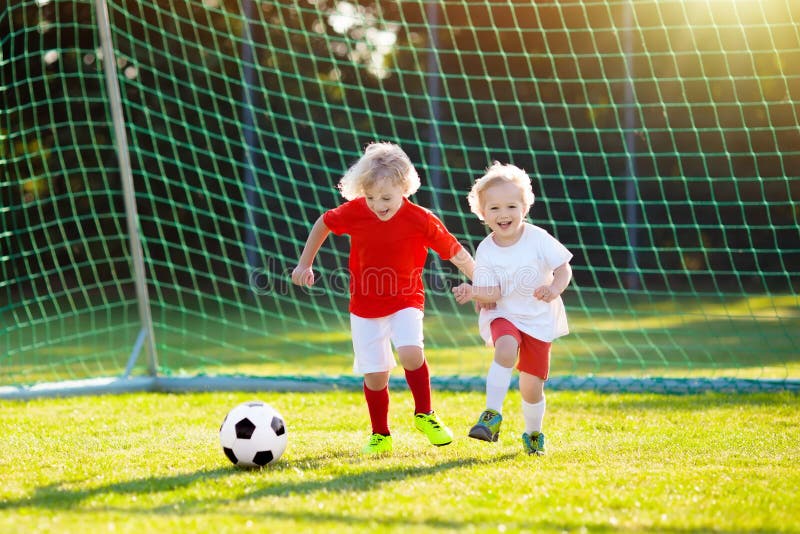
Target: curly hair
column 380, row 161
column 499, row 172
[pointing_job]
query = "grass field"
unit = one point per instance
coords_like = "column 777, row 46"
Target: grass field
column 615, row 463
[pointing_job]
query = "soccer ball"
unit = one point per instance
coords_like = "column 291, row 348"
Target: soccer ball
column 253, row 434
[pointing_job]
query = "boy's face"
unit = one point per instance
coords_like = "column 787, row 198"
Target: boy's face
column 384, row 199
column 504, row 211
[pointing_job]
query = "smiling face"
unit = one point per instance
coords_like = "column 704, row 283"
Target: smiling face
column 504, row 210
column 384, row 198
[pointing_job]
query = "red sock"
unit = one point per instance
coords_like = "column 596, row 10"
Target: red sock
column 378, row 406
column 419, row 382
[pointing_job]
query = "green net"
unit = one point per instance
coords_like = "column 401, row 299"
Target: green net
column 662, row 137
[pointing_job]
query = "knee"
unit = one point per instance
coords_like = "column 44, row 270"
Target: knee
column 532, row 397
column 531, row 388
column 410, row 357
column 376, row 381
column 505, row 351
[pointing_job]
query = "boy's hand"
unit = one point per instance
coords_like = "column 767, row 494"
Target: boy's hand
column 463, row 293
column 303, row 276
column 546, row 293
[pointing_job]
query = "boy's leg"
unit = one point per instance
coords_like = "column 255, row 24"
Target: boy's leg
column 419, row 382
column 534, row 404
column 417, row 376
column 408, row 339
column 534, row 368
column 375, row 360
column 533, row 401
column 377, row 401
column 498, row 379
column 378, row 405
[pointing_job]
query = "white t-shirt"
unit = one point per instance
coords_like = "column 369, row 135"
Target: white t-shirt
column 518, row 270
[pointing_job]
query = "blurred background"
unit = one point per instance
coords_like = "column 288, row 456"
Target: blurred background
column 661, row 136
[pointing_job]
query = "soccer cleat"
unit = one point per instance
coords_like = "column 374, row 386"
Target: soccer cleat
column 488, row 426
column 428, row 423
column 378, row 444
column 533, row 443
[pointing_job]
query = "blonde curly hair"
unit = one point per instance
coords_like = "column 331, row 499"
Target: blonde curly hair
column 380, row 161
column 499, row 172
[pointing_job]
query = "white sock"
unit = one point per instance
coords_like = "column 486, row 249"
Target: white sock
column 533, row 415
column 498, row 380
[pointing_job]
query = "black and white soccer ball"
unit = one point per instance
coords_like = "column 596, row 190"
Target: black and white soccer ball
column 253, row 434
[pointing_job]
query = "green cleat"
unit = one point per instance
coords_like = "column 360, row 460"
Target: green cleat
column 533, row 443
column 428, row 423
column 488, row 426
column 378, row 444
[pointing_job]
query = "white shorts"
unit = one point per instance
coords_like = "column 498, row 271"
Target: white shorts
column 372, row 337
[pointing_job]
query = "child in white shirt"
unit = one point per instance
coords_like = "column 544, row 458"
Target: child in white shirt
column 522, row 270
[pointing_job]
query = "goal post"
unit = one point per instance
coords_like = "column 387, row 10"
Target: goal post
column 163, row 163
column 146, row 336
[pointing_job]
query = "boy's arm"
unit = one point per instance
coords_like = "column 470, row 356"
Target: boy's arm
column 481, row 295
column 484, row 297
column 303, row 275
column 464, row 262
column 561, row 278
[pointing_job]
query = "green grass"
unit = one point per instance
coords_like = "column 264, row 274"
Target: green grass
column 627, row 462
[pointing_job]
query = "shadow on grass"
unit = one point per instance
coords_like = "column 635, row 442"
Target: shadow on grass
column 371, row 480
column 57, row 496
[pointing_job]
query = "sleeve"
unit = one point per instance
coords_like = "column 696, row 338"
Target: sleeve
column 336, row 219
column 555, row 253
column 440, row 239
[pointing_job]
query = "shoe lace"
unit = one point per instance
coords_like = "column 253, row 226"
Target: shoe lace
column 431, row 421
column 375, row 439
column 486, row 416
column 532, row 443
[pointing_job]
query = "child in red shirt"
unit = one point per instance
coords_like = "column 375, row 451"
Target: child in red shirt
column 389, row 241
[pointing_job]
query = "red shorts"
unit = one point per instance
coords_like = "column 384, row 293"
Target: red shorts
column 534, row 355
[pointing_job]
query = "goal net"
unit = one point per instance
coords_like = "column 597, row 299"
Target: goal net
column 661, row 135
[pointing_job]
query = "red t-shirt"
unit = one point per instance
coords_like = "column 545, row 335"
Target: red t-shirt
column 387, row 257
